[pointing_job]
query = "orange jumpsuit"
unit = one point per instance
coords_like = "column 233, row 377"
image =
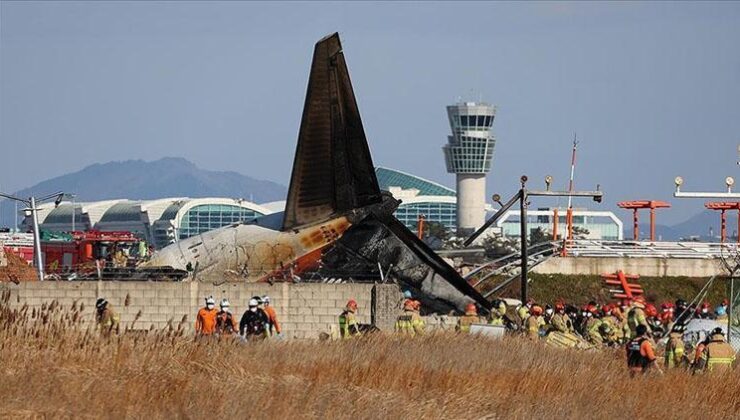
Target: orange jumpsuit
column 272, row 320
column 205, row 322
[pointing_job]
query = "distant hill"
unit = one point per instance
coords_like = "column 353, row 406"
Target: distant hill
column 140, row 180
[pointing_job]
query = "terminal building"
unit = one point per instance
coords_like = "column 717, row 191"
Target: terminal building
column 468, row 155
column 601, row 225
column 159, row 222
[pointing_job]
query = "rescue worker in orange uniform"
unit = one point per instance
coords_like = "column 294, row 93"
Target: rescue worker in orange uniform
column 205, row 321
column 641, row 353
column 225, row 322
column 471, row 317
column 273, row 326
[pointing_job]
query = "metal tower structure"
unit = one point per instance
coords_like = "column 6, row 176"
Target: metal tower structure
column 468, row 155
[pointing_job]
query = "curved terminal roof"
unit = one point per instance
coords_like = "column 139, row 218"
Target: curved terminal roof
column 388, row 178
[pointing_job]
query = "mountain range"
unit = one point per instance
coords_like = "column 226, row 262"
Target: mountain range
column 142, row 180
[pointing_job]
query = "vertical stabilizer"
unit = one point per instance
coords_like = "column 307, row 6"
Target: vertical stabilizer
column 332, row 171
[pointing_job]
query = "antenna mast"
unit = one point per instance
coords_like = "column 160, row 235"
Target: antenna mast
column 569, row 214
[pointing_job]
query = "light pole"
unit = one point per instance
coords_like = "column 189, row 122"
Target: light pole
column 31, row 202
column 523, row 196
column 729, row 182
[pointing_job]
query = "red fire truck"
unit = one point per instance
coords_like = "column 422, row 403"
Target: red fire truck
column 87, row 251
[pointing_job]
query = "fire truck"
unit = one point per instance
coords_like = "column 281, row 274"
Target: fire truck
column 20, row 244
column 90, row 251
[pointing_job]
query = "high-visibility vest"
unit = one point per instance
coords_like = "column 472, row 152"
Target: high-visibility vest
column 674, row 351
column 466, row 321
column 348, row 324
column 410, row 323
column 719, row 355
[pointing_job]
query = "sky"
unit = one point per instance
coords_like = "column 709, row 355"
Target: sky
column 651, row 89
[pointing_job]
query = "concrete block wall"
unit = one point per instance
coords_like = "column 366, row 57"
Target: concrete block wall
column 304, row 310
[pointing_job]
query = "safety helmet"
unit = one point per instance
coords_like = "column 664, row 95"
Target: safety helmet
column 717, row 330
column 266, row 299
column 409, row 305
column 651, row 310
column 725, row 302
column 210, row 300
column 720, row 311
column 352, row 304
column 681, row 304
column 470, row 309
column 407, row 294
column 536, row 310
column 224, row 303
column 258, row 299
column 101, row 303
column 417, row 305
column 253, row 303
column 560, row 307
column 606, row 309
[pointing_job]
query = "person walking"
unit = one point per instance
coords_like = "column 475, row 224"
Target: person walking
column 225, row 322
column 252, row 324
column 273, row 326
column 205, row 321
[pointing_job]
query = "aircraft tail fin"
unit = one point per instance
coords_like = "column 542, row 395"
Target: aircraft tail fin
column 332, row 169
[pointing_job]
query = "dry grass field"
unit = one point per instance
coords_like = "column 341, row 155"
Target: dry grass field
column 51, row 367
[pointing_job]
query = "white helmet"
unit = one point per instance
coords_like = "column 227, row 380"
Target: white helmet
column 210, row 300
column 225, row 303
column 266, row 299
column 253, row 303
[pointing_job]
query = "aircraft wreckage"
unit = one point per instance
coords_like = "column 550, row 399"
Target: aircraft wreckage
column 336, row 217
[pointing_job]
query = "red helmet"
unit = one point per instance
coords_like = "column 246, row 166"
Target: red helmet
column 651, row 310
column 606, row 309
column 536, row 310
column 409, row 304
column 352, row 304
column 560, row 307
column 470, row 309
column 665, row 306
column 417, row 305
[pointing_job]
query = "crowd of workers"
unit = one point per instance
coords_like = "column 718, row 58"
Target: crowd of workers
column 634, row 324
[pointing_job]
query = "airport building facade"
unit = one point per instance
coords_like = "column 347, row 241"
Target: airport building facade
column 159, row 222
column 601, row 225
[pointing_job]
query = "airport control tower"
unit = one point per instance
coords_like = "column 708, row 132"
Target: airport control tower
column 468, row 153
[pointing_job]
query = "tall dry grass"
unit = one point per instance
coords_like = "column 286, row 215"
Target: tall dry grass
column 51, row 365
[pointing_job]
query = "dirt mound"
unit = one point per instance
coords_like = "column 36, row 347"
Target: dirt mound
column 17, row 269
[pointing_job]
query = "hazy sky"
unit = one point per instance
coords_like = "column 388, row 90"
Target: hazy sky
column 653, row 89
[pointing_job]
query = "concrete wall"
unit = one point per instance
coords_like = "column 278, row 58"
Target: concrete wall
column 654, row 267
column 304, row 310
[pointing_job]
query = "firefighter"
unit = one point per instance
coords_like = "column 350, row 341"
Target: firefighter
column 636, row 316
column 718, row 355
column 498, row 313
column 641, row 353
column 674, row 348
column 615, row 333
column 348, row 325
column 252, row 324
column 560, row 321
column 225, row 322
column 410, row 322
column 535, row 322
column 471, row 317
column 273, row 326
column 595, row 327
column 107, row 319
column 205, row 321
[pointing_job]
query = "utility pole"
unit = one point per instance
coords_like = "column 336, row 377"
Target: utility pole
column 523, row 196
